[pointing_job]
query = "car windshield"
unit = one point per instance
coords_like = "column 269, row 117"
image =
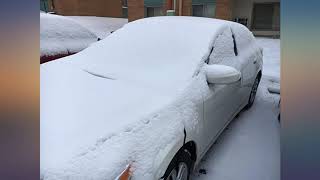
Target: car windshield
column 139, row 49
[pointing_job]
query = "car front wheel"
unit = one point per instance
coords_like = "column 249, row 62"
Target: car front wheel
column 180, row 167
column 253, row 92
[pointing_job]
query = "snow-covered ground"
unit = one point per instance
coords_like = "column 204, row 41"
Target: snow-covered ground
column 250, row 146
column 101, row 26
column 271, row 54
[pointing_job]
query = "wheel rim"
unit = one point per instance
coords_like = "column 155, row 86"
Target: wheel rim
column 181, row 174
column 254, row 90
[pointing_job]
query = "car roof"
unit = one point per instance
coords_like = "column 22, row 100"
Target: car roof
column 170, row 43
column 189, row 21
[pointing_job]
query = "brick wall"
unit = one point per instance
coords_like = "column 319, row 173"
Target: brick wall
column 187, row 8
column 135, row 9
column 224, row 9
column 108, row 8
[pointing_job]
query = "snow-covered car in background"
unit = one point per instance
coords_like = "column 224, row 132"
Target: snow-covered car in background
column 147, row 101
column 61, row 36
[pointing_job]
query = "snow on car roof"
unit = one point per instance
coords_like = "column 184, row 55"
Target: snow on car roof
column 149, row 46
column 61, row 35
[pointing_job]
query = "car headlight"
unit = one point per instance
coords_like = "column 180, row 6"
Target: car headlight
column 126, row 174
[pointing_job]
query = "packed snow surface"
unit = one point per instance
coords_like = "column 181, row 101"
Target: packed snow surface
column 101, row 26
column 61, row 35
column 98, row 106
column 271, row 55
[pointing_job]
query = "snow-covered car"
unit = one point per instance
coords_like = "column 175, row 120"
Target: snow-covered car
column 146, row 102
column 61, row 36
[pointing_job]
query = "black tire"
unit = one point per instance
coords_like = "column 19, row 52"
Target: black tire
column 182, row 158
column 253, row 93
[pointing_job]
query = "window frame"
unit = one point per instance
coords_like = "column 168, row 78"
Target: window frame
column 124, row 4
column 202, row 6
column 235, row 47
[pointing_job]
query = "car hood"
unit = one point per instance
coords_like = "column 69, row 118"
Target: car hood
column 81, row 109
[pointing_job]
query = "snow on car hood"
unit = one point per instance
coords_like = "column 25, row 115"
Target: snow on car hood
column 61, row 35
column 124, row 99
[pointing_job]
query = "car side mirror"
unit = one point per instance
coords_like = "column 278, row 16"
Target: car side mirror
column 222, row 74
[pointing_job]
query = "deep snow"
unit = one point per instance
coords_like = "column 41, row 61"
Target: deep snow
column 250, row 146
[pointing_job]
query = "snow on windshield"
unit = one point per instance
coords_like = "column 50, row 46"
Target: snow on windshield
column 153, row 49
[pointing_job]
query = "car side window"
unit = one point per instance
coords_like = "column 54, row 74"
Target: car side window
column 235, row 48
column 223, row 48
column 242, row 36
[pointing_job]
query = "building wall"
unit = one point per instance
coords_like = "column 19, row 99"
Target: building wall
column 110, row 8
column 224, row 9
column 186, row 7
column 244, row 9
column 135, row 9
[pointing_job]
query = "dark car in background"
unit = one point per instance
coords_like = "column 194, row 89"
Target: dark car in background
column 61, row 36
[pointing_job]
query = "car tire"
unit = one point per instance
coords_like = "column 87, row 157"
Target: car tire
column 253, row 93
column 180, row 166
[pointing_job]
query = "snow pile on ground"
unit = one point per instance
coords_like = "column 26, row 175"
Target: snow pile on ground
column 98, row 106
column 250, row 146
column 61, row 35
column 101, row 26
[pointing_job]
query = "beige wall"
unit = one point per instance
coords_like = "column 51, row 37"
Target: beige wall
column 110, row 8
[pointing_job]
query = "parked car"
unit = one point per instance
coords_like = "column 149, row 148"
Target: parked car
column 61, row 36
column 148, row 101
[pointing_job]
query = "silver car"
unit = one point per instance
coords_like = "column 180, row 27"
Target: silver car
column 148, row 101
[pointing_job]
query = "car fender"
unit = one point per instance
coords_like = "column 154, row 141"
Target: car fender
column 164, row 157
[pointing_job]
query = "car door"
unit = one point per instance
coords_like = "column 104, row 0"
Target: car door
column 223, row 101
column 247, row 58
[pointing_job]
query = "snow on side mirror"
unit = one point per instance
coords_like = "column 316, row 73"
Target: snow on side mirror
column 221, row 74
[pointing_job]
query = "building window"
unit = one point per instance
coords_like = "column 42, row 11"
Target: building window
column 125, row 8
column 203, row 10
column 266, row 16
column 154, row 11
column 44, row 5
column 197, row 10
